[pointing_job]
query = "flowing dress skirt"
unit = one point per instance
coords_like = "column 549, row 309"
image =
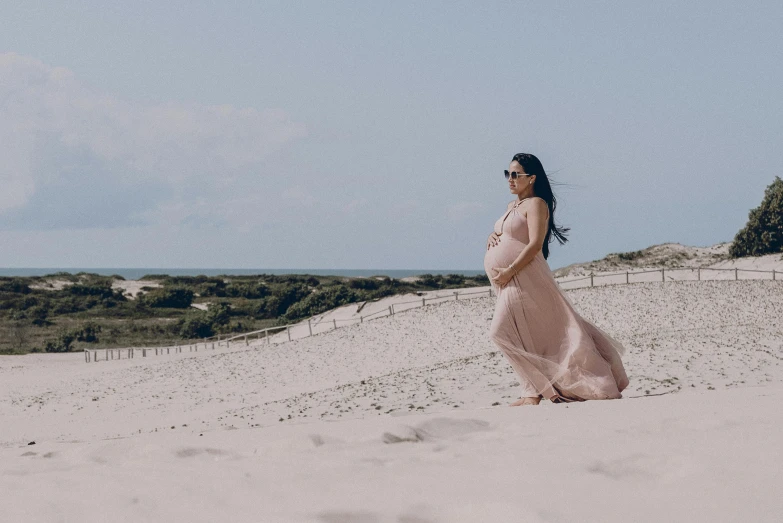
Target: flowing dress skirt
column 556, row 353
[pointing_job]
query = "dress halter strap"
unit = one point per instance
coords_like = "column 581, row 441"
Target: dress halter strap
column 510, row 209
column 513, row 207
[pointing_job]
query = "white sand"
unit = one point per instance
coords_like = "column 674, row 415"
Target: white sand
column 404, row 419
column 673, row 255
column 131, row 288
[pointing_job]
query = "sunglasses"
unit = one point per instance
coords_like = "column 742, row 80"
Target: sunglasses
column 514, row 175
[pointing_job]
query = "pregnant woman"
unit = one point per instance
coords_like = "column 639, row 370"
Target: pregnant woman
column 557, row 354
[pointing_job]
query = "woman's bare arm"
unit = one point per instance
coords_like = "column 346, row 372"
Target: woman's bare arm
column 537, row 225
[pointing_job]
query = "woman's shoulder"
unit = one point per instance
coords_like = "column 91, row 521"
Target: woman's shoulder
column 537, row 201
column 540, row 201
column 529, row 200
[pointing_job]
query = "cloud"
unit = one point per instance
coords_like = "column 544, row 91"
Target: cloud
column 75, row 157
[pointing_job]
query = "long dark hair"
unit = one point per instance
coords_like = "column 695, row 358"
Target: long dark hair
column 543, row 190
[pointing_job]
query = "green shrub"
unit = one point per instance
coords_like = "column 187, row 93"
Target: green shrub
column 63, row 343
column 88, row 332
column 364, row 283
column 102, row 291
column 429, row 280
column 481, row 278
column 289, row 295
column 212, row 287
column 67, row 276
column 454, row 279
column 38, row 315
column 763, row 234
column 203, row 324
column 630, row 256
column 195, row 325
column 218, row 314
column 170, row 297
column 251, row 291
column 321, row 301
column 16, row 285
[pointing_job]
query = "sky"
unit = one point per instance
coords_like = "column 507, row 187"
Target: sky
column 373, row 135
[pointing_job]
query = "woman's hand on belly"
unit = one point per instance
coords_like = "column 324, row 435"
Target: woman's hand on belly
column 502, row 275
column 493, row 239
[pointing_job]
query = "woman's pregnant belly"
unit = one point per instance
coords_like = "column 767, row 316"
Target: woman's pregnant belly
column 502, row 254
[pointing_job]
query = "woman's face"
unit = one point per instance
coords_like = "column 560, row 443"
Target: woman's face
column 521, row 184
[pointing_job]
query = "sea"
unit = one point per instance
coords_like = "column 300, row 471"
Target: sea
column 138, row 273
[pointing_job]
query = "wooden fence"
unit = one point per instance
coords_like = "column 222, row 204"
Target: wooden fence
column 311, row 328
column 672, row 273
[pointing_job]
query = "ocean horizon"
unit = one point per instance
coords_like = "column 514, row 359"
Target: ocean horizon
column 137, row 273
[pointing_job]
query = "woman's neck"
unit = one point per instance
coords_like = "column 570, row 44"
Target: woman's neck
column 524, row 196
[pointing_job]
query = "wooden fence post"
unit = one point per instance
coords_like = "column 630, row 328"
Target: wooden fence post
column 288, row 330
column 246, row 342
column 456, row 295
column 391, row 311
column 309, row 326
column 698, row 274
column 591, row 279
column 663, row 275
column 335, row 323
column 423, row 301
column 773, row 274
column 626, row 276
column 736, row 275
column 86, row 356
column 361, row 319
column 267, row 337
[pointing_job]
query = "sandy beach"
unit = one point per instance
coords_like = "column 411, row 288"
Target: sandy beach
column 405, row 418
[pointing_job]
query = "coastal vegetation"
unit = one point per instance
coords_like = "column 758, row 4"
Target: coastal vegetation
column 763, row 234
column 63, row 312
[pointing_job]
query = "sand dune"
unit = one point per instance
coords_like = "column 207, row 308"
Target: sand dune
column 404, row 419
column 672, row 255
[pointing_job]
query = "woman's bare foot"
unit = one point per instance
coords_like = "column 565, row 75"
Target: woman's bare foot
column 526, row 401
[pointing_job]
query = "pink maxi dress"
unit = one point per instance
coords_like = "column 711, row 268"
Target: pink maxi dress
column 556, row 353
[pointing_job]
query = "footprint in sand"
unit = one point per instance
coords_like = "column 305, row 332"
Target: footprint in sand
column 337, row 516
column 436, row 428
column 191, row 451
column 645, row 467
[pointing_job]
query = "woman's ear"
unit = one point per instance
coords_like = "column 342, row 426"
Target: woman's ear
column 532, row 180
